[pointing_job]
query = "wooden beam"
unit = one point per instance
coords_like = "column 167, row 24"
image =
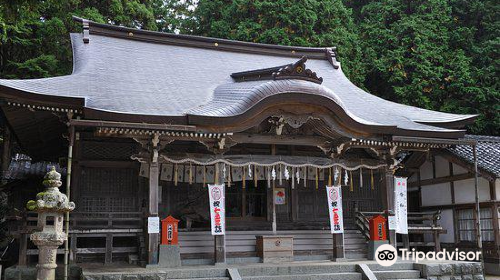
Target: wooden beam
column 146, row 126
column 295, row 140
column 462, row 163
column 493, row 192
column 410, row 139
column 441, row 180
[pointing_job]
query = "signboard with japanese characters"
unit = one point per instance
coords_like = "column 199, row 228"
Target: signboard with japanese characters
column 153, row 224
column 217, row 209
column 279, row 196
column 401, row 205
column 334, row 195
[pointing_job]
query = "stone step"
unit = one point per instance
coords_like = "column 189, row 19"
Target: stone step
column 316, row 276
column 408, row 279
column 396, row 266
column 397, row 274
column 210, row 278
column 280, row 270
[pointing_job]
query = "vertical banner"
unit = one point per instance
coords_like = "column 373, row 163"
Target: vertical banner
column 401, row 205
column 334, row 195
column 217, row 209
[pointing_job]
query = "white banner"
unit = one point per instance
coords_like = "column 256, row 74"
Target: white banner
column 334, row 195
column 217, row 209
column 401, row 205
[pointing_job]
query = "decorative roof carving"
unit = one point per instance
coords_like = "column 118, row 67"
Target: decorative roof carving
column 295, row 70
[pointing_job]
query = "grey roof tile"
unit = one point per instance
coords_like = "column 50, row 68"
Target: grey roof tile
column 488, row 153
column 142, row 78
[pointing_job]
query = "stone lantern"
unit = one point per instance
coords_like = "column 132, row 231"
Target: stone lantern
column 51, row 206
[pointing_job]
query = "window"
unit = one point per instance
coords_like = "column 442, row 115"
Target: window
column 466, row 225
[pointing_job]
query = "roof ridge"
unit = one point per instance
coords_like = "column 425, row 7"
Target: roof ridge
column 91, row 27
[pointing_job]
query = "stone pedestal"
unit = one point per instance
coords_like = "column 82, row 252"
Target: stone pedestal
column 373, row 246
column 170, row 256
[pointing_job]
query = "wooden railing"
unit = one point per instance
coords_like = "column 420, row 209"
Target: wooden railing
column 418, row 223
column 84, row 225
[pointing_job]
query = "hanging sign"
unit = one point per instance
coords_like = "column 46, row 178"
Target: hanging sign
column 401, row 205
column 153, row 224
column 217, row 209
column 279, row 196
column 334, row 195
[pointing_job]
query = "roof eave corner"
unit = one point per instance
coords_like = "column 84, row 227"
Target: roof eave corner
column 85, row 28
column 331, row 56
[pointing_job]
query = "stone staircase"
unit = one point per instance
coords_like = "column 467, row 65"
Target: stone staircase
column 304, row 271
column 398, row 271
column 355, row 245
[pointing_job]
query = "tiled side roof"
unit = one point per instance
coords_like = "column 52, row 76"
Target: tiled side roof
column 488, row 153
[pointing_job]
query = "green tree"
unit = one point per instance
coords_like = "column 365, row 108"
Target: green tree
column 412, row 57
column 34, row 39
column 286, row 22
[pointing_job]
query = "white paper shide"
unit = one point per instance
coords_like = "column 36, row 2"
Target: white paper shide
column 334, row 195
column 217, row 209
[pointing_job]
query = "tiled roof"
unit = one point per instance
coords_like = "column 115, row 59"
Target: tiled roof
column 488, row 153
column 127, row 75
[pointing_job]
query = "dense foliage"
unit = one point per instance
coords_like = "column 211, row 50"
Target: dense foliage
column 437, row 54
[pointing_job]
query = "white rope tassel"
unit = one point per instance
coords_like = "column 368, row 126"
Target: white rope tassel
column 360, row 177
column 346, row 178
column 335, row 176
column 293, row 180
column 297, row 175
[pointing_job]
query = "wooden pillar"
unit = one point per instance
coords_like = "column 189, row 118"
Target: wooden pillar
column 338, row 247
column 220, row 249
column 496, row 227
column 108, row 257
column 6, row 153
column 219, row 240
column 389, row 199
column 153, row 238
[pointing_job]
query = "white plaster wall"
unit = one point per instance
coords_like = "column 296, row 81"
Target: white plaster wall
column 447, row 223
column 426, row 170
column 442, row 167
column 436, row 195
column 465, row 193
column 457, row 169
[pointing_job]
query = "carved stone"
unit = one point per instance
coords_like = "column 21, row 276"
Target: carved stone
column 51, row 206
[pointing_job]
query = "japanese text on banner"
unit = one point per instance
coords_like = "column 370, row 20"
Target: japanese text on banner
column 217, row 209
column 334, row 195
column 401, row 205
